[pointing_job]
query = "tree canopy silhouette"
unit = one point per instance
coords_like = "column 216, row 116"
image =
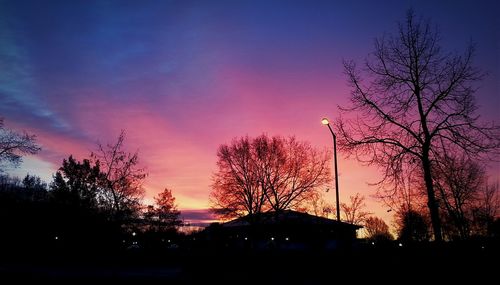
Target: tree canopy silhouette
column 377, row 229
column 78, row 183
column 412, row 227
column 266, row 173
column 412, row 101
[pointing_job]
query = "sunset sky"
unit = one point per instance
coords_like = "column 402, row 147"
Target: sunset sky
column 183, row 77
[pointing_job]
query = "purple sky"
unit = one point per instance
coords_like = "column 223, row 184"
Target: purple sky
column 183, row 77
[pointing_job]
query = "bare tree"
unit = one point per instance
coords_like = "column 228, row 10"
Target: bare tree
column 13, row 145
column 122, row 190
column 377, row 229
column 413, row 102
column 264, row 173
column 408, row 193
column 489, row 200
column 291, row 170
column 486, row 209
column 237, row 188
column 354, row 212
column 318, row 206
column 458, row 181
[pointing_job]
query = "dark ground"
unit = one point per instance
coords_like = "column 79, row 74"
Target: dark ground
column 418, row 264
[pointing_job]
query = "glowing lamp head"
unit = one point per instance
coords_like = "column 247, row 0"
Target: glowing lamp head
column 325, row 121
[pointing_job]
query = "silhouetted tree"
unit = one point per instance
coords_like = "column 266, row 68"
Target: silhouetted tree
column 237, row 189
column 122, row 189
column 377, row 229
column 486, row 210
column 25, row 214
column 354, row 212
column 8, row 183
column 413, row 102
column 79, row 211
column 78, row 183
column 33, row 182
column 13, row 145
column 412, row 227
column 409, row 195
column 266, row 173
column 291, row 170
column 30, row 189
column 35, row 187
column 164, row 216
column 318, row 206
column 458, row 181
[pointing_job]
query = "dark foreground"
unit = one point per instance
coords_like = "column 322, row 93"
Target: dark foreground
column 417, row 264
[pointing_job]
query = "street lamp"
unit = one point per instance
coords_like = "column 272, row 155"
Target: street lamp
column 325, row 121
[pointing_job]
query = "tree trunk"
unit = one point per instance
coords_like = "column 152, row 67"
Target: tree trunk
column 431, row 197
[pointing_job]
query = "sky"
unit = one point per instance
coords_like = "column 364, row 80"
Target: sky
column 183, row 77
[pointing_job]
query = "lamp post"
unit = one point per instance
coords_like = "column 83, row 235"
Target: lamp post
column 325, row 121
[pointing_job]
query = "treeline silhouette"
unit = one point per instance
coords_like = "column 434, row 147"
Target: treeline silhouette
column 35, row 219
column 92, row 206
column 412, row 114
column 90, row 221
column 39, row 218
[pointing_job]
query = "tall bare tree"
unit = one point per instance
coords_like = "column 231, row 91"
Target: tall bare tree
column 13, row 145
column 237, row 188
column 290, row 170
column 354, row 212
column 412, row 101
column 122, row 189
column 266, row 173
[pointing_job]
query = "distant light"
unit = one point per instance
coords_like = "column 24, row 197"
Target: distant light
column 482, row 247
column 56, row 237
column 133, row 234
column 272, row 238
column 123, row 241
column 325, row 121
column 373, row 243
column 400, row 244
column 286, row 238
column 168, row 240
column 246, row 238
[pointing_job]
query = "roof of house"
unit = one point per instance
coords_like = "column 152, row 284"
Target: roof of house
column 287, row 217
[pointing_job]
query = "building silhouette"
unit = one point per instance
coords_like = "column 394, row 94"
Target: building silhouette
column 282, row 230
